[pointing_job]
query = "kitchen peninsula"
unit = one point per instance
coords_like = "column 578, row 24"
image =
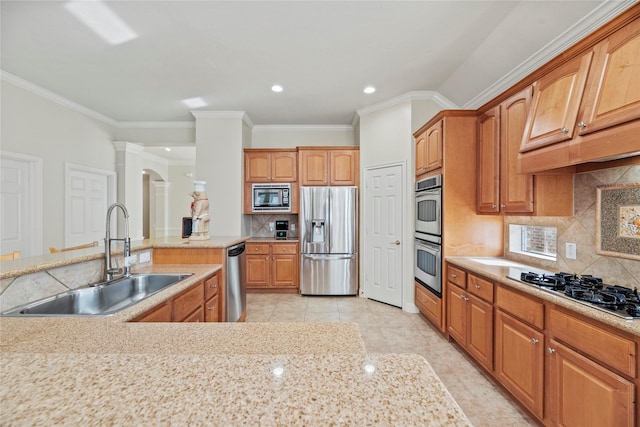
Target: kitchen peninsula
column 109, row 371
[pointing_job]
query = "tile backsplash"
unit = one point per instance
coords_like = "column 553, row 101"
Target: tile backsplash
column 581, row 229
column 260, row 224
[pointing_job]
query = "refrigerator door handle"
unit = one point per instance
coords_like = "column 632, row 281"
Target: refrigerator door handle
column 328, row 257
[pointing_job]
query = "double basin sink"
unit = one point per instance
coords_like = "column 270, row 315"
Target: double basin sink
column 102, row 299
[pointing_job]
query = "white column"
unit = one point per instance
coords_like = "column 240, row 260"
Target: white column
column 158, row 215
column 219, row 162
column 129, row 167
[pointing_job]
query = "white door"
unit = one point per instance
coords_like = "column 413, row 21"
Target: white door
column 20, row 204
column 383, row 234
column 88, row 196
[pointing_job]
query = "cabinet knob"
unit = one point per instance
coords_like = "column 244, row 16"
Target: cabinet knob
column 502, row 206
column 453, row 275
column 493, row 206
column 476, row 286
column 582, row 125
column 210, row 308
column 551, row 350
column 214, row 286
column 534, row 341
column 564, row 130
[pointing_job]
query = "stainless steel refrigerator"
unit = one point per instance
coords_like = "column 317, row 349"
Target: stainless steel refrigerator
column 328, row 240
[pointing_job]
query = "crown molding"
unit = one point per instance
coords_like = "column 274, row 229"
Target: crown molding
column 200, row 114
column 154, row 158
column 297, row 128
column 156, row 125
column 602, row 14
column 128, row 147
column 61, row 100
column 427, row 95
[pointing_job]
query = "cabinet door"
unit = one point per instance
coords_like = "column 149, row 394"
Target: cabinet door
column 161, row 313
column 257, row 166
column 480, row 331
column 314, row 167
column 434, row 146
column 457, row 313
column 421, row 154
column 196, row 316
column 258, row 271
column 583, row 393
column 554, row 109
column 429, row 304
column 344, row 167
column 519, row 361
column 488, row 161
column 516, row 190
column 212, row 309
column 283, row 166
column 187, row 302
column 285, row 271
column 613, row 95
column 211, row 286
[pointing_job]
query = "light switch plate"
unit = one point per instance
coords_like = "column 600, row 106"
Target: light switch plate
column 145, row 256
column 571, row 251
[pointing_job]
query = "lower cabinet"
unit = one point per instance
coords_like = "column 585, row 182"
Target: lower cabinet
column 272, row 266
column 471, row 323
column 520, row 361
column 198, row 303
column 429, row 304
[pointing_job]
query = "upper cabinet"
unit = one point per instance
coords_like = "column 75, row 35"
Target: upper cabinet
column 329, row 166
column 587, row 109
column 428, row 148
column 500, row 188
column 262, row 165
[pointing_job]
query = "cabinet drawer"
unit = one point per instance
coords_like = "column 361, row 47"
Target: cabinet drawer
column 521, row 306
column 457, row 276
column 257, row 249
column 211, row 286
column 196, row 316
column 188, row 302
column 606, row 347
column 284, row 248
column 480, row 287
column 428, row 304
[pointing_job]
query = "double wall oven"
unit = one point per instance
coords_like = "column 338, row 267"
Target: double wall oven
column 428, row 234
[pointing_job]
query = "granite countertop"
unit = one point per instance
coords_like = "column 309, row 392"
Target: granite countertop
column 497, row 269
column 107, row 371
column 44, row 262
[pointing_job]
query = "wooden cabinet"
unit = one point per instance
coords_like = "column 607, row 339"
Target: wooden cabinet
column 198, row 303
column 328, row 166
column 428, row 304
column 272, row 266
column 500, row 188
column 470, row 318
column 429, row 149
column 591, row 373
column 519, row 347
column 270, row 165
column 587, row 109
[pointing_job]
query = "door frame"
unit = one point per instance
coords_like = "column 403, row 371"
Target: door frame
column 111, row 191
column 403, row 215
column 34, row 196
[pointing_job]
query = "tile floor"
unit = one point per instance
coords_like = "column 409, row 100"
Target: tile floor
column 387, row 329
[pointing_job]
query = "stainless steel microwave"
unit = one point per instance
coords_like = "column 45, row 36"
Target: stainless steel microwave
column 271, row 197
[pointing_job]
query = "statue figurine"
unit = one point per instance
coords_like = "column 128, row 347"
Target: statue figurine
column 199, row 213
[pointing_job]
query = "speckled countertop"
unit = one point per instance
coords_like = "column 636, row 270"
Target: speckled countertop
column 35, row 264
column 497, row 269
column 106, row 371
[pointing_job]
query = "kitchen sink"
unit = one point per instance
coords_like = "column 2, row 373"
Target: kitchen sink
column 102, row 299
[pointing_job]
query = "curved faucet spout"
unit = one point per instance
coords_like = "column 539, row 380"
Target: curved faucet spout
column 109, row 271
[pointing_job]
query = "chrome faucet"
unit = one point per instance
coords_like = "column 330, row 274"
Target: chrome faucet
column 108, row 270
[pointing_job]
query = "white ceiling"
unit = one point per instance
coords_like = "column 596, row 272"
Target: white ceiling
column 322, row 52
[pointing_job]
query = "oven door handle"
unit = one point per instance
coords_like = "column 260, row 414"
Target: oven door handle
column 429, row 246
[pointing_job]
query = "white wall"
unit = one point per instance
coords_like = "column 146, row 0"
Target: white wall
column 219, row 162
column 34, row 125
column 157, row 133
column 295, row 136
column 386, row 137
column 181, row 179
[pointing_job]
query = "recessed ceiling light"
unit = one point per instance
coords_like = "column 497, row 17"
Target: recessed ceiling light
column 276, row 88
column 194, row 102
column 369, row 89
column 167, row 149
column 101, row 20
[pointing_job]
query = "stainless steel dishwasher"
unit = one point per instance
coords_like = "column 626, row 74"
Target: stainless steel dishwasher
column 236, row 299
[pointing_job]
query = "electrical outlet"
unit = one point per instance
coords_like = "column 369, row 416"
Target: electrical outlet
column 292, row 226
column 272, row 225
column 145, row 256
column 571, row 251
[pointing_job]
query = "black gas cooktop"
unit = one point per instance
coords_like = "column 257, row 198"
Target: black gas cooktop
column 589, row 290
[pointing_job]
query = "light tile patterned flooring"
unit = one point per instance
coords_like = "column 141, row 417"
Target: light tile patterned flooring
column 387, row 329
